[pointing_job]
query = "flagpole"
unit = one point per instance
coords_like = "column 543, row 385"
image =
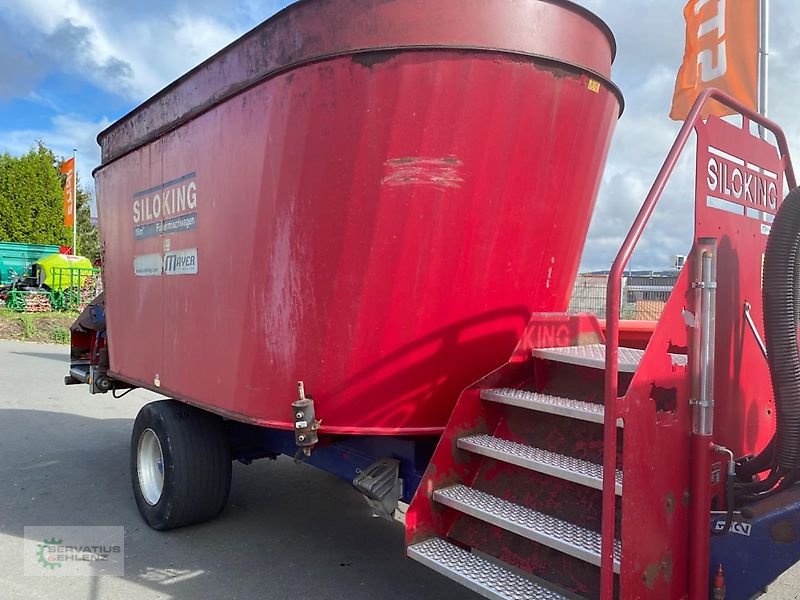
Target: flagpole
column 74, row 201
column 763, row 64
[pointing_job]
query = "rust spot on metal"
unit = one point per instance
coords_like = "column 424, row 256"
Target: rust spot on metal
column 783, row 532
column 370, row 59
column 437, row 172
column 650, row 575
column 666, row 399
column 666, row 567
column 669, row 504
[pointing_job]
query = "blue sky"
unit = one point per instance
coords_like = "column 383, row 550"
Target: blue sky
column 71, row 67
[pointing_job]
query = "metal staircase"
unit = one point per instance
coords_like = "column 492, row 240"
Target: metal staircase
column 517, row 501
column 533, row 457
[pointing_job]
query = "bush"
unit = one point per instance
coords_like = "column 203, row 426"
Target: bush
column 60, row 335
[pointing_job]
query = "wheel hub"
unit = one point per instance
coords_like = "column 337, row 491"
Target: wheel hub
column 150, row 467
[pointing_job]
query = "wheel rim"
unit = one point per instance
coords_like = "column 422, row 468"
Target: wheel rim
column 150, row 467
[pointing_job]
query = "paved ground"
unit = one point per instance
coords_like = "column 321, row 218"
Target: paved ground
column 289, row 531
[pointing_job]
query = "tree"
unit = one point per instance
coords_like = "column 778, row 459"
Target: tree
column 31, row 198
column 31, row 203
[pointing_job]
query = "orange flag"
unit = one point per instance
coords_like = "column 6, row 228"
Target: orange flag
column 721, row 52
column 68, row 169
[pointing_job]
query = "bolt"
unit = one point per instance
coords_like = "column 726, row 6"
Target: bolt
column 301, row 438
column 298, row 415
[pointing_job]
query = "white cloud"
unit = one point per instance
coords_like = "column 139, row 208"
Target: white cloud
column 65, row 133
column 134, row 49
column 133, row 57
column 650, row 51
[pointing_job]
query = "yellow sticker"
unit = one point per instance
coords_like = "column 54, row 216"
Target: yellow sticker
column 594, row 85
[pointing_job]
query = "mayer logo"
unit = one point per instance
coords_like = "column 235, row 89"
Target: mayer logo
column 181, row 262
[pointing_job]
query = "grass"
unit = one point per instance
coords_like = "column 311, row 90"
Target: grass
column 52, row 327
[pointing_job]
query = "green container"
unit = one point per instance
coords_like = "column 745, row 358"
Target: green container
column 16, row 259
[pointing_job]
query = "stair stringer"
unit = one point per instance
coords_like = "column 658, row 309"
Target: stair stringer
column 655, row 502
column 471, row 415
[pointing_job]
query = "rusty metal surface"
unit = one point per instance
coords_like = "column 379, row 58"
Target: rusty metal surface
column 387, row 299
column 655, row 459
column 321, row 29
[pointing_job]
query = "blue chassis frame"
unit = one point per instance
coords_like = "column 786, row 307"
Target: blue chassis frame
column 757, row 550
column 343, row 456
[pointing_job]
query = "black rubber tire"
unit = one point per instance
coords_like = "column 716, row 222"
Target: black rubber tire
column 197, row 464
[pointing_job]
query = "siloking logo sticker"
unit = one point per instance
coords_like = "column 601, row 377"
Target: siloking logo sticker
column 181, row 262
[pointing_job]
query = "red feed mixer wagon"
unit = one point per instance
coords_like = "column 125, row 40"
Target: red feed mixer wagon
column 351, row 236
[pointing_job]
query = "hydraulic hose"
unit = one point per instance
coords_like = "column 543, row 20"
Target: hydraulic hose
column 747, row 469
column 780, row 289
column 730, row 486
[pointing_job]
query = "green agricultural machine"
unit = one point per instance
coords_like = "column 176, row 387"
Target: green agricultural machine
column 16, row 260
column 37, row 278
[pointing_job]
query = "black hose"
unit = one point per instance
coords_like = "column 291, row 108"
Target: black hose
column 730, row 485
column 747, row 469
column 780, row 327
column 757, row 487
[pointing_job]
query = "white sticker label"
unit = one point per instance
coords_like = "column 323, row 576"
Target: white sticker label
column 147, row 265
column 181, row 262
column 736, row 527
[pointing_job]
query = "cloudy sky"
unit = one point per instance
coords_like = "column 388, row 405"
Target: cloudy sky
column 71, row 67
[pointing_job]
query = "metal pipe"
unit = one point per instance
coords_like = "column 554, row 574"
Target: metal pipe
column 749, row 319
column 82, row 375
column 614, row 292
column 731, row 458
column 702, row 414
column 706, row 290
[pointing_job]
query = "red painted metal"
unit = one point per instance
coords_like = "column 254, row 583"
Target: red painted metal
column 633, row 334
column 698, row 573
column 471, row 415
column 700, row 505
column 655, row 458
column 313, row 30
column 744, row 415
column 367, row 218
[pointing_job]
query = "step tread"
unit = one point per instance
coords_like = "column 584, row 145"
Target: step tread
column 579, row 471
column 482, row 576
column 594, row 356
column 539, row 527
column 554, row 405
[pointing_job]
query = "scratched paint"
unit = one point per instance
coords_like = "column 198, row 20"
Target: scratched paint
column 437, row 172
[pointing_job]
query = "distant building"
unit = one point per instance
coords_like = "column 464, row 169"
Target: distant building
column 644, row 294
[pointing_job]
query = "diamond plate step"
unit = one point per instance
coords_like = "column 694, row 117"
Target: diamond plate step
column 478, row 574
column 572, row 469
column 594, row 356
column 565, row 537
column 554, row 405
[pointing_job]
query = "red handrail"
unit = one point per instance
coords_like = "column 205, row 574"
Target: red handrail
column 613, row 293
